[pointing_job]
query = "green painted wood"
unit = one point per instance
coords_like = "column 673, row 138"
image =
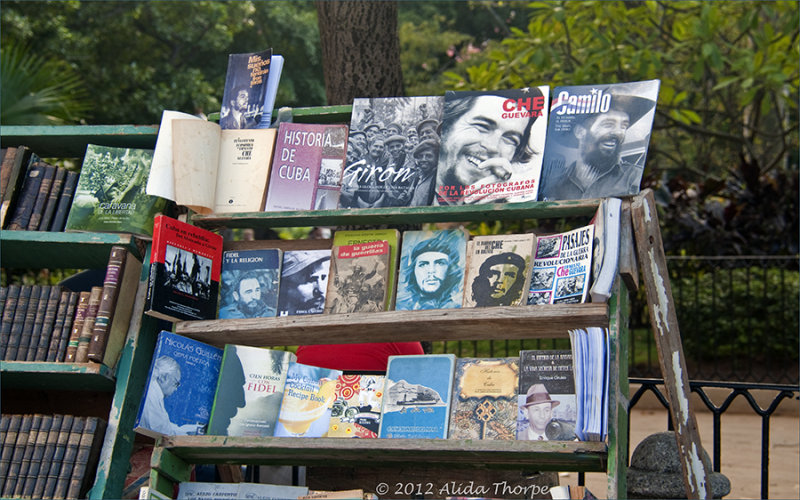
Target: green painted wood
column 37, row 249
column 167, row 470
column 56, row 376
column 619, row 392
column 69, row 141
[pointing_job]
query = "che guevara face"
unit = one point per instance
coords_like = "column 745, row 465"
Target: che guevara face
column 430, row 269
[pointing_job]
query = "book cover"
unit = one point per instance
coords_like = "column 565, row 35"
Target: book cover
column 484, row 402
column 359, row 275
column 356, row 411
column 605, row 257
column 416, row 400
column 307, row 401
column 307, row 167
column 304, row 282
column 273, row 80
column 391, row 152
column 392, row 236
column 561, row 267
column 185, row 265
column 64, row 202
column 52, row 199
column 110, row 195
column 245, row 93
column 491, row 147
column 249, row 283
column 23, row 206
column 597, row 140
column 207, row 491
column 180, row 387
column 547, row 403
column 48, row 174
column 249, row 391
column 161, row 180
column 431, row 271
column 85, row 337
column 498, row 270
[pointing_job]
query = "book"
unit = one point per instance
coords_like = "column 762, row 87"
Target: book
column 51, row 478
column 87, row 457
column 249, row 391
column 110, row 195
column 185, row 265
column 36, row 456
column 307, row 167
column 597, row 140
column 356, row 411
column 9, row 308
column 416, row 400
column 70, row 455
column 32, row 334
column 64, row 202
column 498, row 270
column 15, row 463
column 491, row 146
column 150, row 493
column 58, row 352
column 391, row 236
column 23, row 207
column 245, row 94
column 56, row 425
column 180, row 387
column 42, row 336
column 307, row 401
column 207, row 491
column 484, row 402
column 605, row 256
column 12, row 176
column 85, row 337
column 304, row 282
column 9, row 444
column 358, row 279
column 249, row 283
column 356, row 494
column 547, row 403
column 3, row 295
column 48, row 174
column 562, row 266
column 431, row 270
column 25, row 463
column 382, row 169
column 77, row 326
column 52, row 199
column 261, row 491
column 24, row 314
column 590, row 352
column 273, row 79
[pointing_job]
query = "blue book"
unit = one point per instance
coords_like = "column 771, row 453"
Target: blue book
column 416, row 401
column 180, row 387
column 307, row 401
column 249, row 283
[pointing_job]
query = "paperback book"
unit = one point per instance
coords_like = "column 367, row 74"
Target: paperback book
column 392, row 237
column 498, row 270
column 591, row 353
column 245, row 95
column 185, row 268
column 249, row 283
column 180, row 387
column 492, row 144
column 605, row 257
column 356, row 411
column 597, row 140
column 484, row 402
column 307, row 401
column 561, row 267
column 359, row 275
column 547, row 404
column 304, row 282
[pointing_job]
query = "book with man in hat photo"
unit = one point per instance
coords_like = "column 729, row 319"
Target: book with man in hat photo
column 597, row 140
column 546, row 401
column 304, row 282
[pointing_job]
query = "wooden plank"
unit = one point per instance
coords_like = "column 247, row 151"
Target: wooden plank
column 69, row 141
column 664, row 321
column 56, row 376
column 618, row 391
column 628, row 264
column 167, row 470
column 436, row 453
column 520, row 322
column 34, row 249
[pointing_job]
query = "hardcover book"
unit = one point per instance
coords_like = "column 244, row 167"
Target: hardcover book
column 245, row 94
column 597, row 140
column 356, row 411
column 392, row 236
column 492, row 144
column 64, row 202
column 307, row 401
column 110, row 195
column 431, row 274
column 85, row 336
column 249, row 391
column 42, row 337
column 185, row 268
column 108, row 301
column 359, row 275
column 304, row 282
column 391, row 152
column 26, row 198
column 416, row 400
column 81, row 309
column 249, row 283
column 561, row 267
column 307, row 167
column 87, row 458
column 48, row 174
column 498, row 270
column 484, row 402
column 12, row 175
column 180, row 387
column 547, row 404
column 52, row 199
column 33, row 321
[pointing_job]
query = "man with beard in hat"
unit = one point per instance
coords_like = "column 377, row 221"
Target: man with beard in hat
column 500, row 281
column 304, row 282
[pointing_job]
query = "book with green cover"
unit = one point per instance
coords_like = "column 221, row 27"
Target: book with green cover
column 368, row 236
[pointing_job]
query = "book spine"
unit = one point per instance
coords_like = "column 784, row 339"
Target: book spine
column 77, row 326
column 6, row 166
column 9, row 441
column 108, row 301
column 58, row 456
column 48, row 173
column 18, row 322
column 27, row 327
column 29, row 343
column 16, row 458
column 64, row 202
column 82, row 353
column 27, row 197
column 59, row 348
column 3, row 295
column 52, row 199
column 17, row 166
column 36, row 457
column 9, row 306
column 88, row 453
column 68, row 463
column 47, row 454
column 42, row 341
column 27, row 454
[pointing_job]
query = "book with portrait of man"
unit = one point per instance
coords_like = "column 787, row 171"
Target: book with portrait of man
column 547, row 404
column 597, row 140
column 249, row 283
column 498, row 270
column 359, row 277
column 304, row 282
column 491, row 146
column 245, row 92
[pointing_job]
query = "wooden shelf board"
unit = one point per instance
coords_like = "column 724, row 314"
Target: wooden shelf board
column 523, row 322
column 34, row 249
column 51, row 376
column 541, row 455
column 69, row 141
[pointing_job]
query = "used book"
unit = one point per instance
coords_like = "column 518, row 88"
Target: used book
column 484, row 402
column 356, row 411
column 358, row 280
column 307, row 401
column 597, row 140
column 110, row 195
column 12, row 175
column 416, row 401
column 244, row 99
column 249, row 391
column 180, row 387
column 561, row 267
column 605, row 257
column 492, row 145
column 249, row 283
column 590, row 352
column 304, row 282
column 392, row 237
column 307, row 167
column 185, row 267
column 391, row 152
column 498, row 270
column 547, row 403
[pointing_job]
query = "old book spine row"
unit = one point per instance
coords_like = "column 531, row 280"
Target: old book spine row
column 48, row 456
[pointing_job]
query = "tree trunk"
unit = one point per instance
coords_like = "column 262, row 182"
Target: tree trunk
column 360, row 49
